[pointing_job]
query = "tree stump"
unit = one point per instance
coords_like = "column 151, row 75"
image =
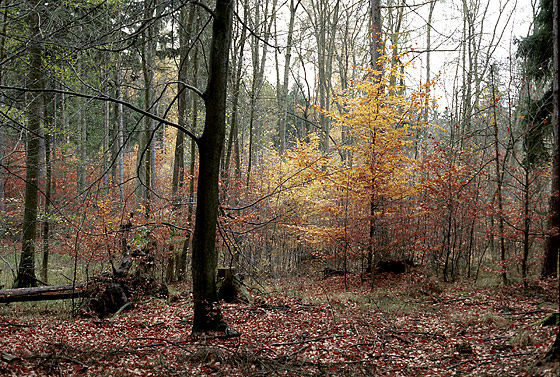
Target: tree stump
column 230, row 286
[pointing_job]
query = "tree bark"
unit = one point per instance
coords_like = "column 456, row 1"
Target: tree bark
column 233, row 139
column 552, row 244
column 120, row 136
column 207, row 315
column 174, row 264
column 285, row 88
column 498, row 170
column 145, row 149
column 49, row 116
column 376, row 45
column 26, row 270
column 554, row 352
column 257, row 83
column 81, row 178
column 2, row 145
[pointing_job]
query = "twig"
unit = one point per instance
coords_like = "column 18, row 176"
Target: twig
column 398, row 337
column 307, row 340
column 54, row 356
column 298, row 351
column 538, row 311
column 9, row 266
column 361, row 344
column 126, row 305
column 420, row 333
column 487, row 360
column 393, row 355
column 459, row 364
column 9, row 324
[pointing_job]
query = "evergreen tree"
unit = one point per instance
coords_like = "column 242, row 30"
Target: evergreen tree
column 537, row 53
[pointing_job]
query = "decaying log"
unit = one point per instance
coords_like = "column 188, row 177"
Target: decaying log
column 58, row 292
column 103, row 295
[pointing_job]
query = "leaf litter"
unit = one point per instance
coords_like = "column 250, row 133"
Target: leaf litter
column 403, row 326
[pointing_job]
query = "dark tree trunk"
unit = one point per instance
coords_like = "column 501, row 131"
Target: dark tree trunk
column 550, row 264
column 207, row 315
column 26, row 269
column 554, row 352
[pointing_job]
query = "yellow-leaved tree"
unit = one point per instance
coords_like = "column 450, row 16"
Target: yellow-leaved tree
column 353, row 201
column 380, row 120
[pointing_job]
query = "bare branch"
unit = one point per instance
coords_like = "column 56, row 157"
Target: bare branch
column 104, row 97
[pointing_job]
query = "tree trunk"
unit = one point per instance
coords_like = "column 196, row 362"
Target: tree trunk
column 26, row 270
column 145, row 149
column 107, row 131
column 257, row 84
column 233, row 135
column 376, row 45
column 207, row 315
column 550, row 263
column 81, row 179
column 2, row 152
column 285, row 89
column 118, row 138
column 185, row 29
column 554, row 352
column 498, row 182
column 325, row 20
column 49, row 116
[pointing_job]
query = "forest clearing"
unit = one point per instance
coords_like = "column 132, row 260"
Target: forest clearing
column 264, row 187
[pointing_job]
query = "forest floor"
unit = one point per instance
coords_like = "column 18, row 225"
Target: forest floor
column 406, row 325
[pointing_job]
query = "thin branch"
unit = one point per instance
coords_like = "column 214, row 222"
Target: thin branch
column 104, row 97
column 254, row 34
column 307, row 340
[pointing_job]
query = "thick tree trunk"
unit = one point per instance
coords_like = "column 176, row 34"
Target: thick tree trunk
column 26, row 270
column 550, row 264
column 207, row 315
column 554, row 352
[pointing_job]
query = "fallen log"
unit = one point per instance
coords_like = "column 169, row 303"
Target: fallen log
column 56, row 292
